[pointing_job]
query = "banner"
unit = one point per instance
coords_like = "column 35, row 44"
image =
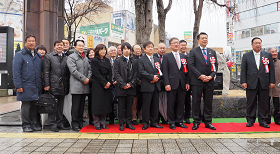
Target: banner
column 97, row 29
column 117, row 31
column 188, row 37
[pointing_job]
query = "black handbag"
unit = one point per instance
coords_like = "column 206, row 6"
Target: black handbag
column 47, row 99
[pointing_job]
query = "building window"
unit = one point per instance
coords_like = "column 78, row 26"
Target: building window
column 260, row 30
column 254, row 32
column 274, row 28
column 273, row 7
column 237, row 35
column 247, row 33
column 267, row 29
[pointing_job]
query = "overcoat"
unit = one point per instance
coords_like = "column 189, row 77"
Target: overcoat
column 56, row 73
column 27, row 74
column 101, row 75
column 125, row 73
column 275, row 91
column 80, row 70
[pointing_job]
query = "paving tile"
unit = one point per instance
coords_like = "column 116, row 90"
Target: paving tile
column 84, row 140
column 28, row 149
column 126, row 141
column 65, row 144
column 108, row 136
column 128, row 136
column 36, row 144
column 51, row 144
column 41, row 152
column 140, row 141
column 75, row 149
column 168, row 136
column 59, row 149
column 129, row 145
column 142, row 150
column 89, row 136
column 148, row 136
column 21, row 152
column 123, row 150
column 44, row 149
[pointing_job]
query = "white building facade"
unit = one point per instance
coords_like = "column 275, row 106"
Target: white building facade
column 256, row 18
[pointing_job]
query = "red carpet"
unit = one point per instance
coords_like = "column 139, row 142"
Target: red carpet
column 221, row 128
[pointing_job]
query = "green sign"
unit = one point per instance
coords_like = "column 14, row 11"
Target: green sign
column 232, row 50
column 117, row 31
column 97, row 29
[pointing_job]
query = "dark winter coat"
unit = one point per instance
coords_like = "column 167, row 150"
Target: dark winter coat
column 125, row 73
column 27, row 74
column 56, row 73
column 101, row 75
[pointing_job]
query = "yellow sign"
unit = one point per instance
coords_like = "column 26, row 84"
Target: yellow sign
column 16, row 43
column 89, row 41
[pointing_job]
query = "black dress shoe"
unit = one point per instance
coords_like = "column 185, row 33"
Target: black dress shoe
column 62, row 127
column 98, row 128
column 265, row 125
column 130, row 126
column 156, row 126
column 76, row 128
column 277, row 123
column 27, row 129
column 121, row 127
column 37, row 128
column 187, row 121
column 141, row 121
column 105, row 127
column 145, row 127
column 172, row 126
column 210, row 126
column 134, row 122
column 181, row 125
column 195, row 126
column 249, row 124
column 54, row 129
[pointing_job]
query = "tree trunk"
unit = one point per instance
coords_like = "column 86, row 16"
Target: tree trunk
column 143, row 11
column 198, row 14
column 161, row 19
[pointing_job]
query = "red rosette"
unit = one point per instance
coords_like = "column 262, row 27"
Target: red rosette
column 212, row 61
column 184, row 62
column 265, row 63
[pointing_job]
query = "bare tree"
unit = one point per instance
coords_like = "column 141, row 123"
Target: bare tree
column 161, row 18
column 75, row 11
column 144, row 12
column 197, row 7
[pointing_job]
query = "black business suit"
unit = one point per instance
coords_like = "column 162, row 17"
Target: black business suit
column 150, row 91
column 257, row 85
column 198, row 67
column 125, row 73
column 187, row 98
column 177, row 79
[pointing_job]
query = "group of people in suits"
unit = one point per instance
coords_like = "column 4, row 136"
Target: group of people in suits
column 175, row 73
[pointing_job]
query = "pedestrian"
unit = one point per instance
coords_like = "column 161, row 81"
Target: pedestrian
column 275, row 91
column 257, row 76
column 42, row 50
column 56, row 80
column 27, row 75
column 150, row 74
column 125, row 70
column 187, row 115
column 203, row 66
column 80, row 71
column 90, row 56
column 113, row 56
column 101, row 83
column 66, row 47
column 176, row 82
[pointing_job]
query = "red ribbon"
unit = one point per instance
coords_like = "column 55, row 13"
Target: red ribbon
column 265, row 63
column 212, row 61
column 184, row 62
column 157, row 65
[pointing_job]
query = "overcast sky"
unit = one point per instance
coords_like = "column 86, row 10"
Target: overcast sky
column 181, row 18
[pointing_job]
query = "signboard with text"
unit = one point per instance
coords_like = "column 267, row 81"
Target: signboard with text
column 188, row 36
column 117, row 31
column 278, row 6
column 97, row 29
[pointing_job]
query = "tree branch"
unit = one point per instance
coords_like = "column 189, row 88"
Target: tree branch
column 168, row 7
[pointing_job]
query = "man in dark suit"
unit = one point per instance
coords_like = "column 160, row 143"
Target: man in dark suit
column 126, row 70
column 66, row 47
column 257, row 76
column 183, row 50
column 176, row 83
column 149, row 72
column 203, row 68
column 161, row 49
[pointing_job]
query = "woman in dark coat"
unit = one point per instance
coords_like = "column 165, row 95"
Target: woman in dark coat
column 90, row 56
column 101, row 82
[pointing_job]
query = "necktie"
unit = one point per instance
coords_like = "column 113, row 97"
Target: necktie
column 258, row 60
column 126, row 61
column 160, row 58
column 178, row 60
column 205, row 55
column 152, row 61
column 113, row 61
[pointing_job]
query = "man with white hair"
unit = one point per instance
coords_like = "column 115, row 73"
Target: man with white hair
column 113, row 56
